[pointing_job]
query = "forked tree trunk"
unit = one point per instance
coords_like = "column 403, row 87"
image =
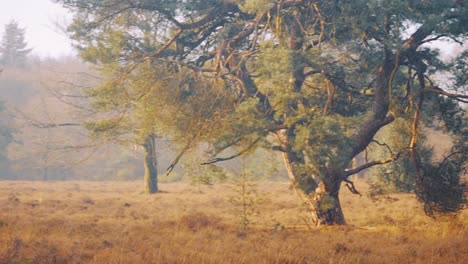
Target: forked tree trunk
column 323, row 201
column 151, row 165
column 327, row 209
column 322, row 197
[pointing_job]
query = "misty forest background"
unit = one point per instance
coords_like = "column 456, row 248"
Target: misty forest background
column 44, row 101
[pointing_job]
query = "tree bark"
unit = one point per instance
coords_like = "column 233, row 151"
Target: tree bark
column 295, row 164
column 322, row 198
column 327, row 201
column 151, row 165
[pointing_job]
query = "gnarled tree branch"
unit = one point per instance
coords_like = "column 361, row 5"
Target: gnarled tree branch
column 215, row 160
column 352, row 187
column 179, row 156
column 459, row 97
column 350, row 172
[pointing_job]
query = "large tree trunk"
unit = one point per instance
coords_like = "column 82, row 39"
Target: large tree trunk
column 327, row 204
column 151, row 165
column 322, row 197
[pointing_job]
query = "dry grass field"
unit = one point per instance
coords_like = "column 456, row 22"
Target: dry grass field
column 113, row 222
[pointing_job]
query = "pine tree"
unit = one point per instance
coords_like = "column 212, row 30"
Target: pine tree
column 13, row 46
column 322, row 77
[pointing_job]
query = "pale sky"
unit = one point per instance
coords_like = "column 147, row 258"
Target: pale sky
column 39, row 18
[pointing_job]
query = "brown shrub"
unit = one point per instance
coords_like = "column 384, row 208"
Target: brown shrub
column 197, row 221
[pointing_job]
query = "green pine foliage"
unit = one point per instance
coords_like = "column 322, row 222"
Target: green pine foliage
column 443, row 189
column 398, row 176
column 246, row 198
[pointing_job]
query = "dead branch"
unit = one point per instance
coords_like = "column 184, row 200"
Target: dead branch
column 459, row 97
column 215, row 160
column 31, row 121
column 349, row 172
column 384, row 145
column 352, row 187
column 179, row 156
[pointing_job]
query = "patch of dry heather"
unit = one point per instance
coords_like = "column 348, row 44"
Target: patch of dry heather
column 96, row 222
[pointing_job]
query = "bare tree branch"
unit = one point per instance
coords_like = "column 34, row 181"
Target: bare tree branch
column 31, row 121
column 384, row 145
column 228, row 145
column 215, row 160
column 459, row 97
column 352, row 187
column 446, row 158
column 349, row 172
column 432, row 39
column 179, row 156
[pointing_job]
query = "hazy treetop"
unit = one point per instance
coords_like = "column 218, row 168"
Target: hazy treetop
column 42, row 20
